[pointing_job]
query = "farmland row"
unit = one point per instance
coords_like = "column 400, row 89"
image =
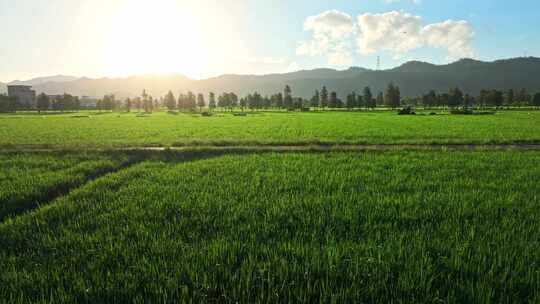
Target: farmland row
column 29, row 180
column 420, row 226
column 265, row 128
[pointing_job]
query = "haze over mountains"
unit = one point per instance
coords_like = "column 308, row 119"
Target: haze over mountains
column 414, row 78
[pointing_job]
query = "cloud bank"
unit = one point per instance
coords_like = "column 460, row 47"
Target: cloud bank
column 394, row 32
column 331, row 33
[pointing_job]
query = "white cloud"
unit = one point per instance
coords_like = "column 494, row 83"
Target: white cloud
column 331, row 32
column 341, row 55
column 400, row 32
column 392, row 31
column 395, row 32
column 333, row 23
column 455, row 36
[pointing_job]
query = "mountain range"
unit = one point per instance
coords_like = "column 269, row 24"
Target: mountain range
column 414, row 78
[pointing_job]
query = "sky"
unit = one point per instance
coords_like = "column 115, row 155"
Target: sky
column 206, row 38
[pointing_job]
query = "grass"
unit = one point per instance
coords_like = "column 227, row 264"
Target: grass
column 380, row 227
column 28, row 180
column 89, row 130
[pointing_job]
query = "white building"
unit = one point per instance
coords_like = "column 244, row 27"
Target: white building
column 88, row 101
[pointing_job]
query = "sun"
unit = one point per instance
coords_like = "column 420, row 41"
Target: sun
column 160, row 36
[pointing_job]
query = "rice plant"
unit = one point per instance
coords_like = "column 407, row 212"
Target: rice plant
column 412, row 227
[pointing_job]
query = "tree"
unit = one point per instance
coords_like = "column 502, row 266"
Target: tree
column 429, row 100
column 287, row 97
column 315, row 100
column 482, row 99
column 536, row 100
column 392, row 99
column 368, row 97
column 8, row 103
column 137, row 103
column 389, row 96
column 108, row 102
column 351, row 101
column 182, row 102
column 191, row 101
column 43, row 102
column 397, row 97
column 145, row 101
column 298, row 103
column 267, row 102
column 233, row 101
column 170, row 101
column 324, row 97
column 128, row 105
column 67, row 102
column 212, row 101
column 255, row 100
column 200, row 101
column 149, row 106
column 495, row 98
column 467, row 101
column 523, row 98
column 243, row 103
column 443, row 99
column 339, row 103
column 360, row 101
column 279, row 100
column 455, row 98
column 333, row 102
column 498, row 98
column 379, row 101
column 222, row 100
column 509, row 100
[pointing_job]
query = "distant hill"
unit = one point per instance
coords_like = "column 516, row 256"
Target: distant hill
column 414, row 78
column 44, row 80
column 121, row 87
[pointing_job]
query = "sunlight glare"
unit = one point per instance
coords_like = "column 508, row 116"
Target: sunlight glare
column 155, row 37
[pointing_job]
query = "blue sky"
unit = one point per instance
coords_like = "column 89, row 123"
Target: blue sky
column 203, row 38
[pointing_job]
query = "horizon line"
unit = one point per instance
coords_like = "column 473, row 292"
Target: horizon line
column 174, row 74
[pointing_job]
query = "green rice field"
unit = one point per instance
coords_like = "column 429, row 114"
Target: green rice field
column 92, row 129
column 27, row 179
column 372, row 227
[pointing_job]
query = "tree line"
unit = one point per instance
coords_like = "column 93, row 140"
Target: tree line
column 65, row 102
column 326, row 99
column 321, row 99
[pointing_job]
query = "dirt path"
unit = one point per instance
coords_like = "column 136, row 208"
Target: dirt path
column 299, row 148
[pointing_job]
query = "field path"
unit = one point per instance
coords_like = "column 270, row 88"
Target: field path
column 298, row 148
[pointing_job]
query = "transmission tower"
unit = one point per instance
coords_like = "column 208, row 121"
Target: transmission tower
column 378, row 63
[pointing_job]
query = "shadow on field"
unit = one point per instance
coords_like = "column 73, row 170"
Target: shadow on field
column 20, row 204
column 179, row 156
column 14, row 206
